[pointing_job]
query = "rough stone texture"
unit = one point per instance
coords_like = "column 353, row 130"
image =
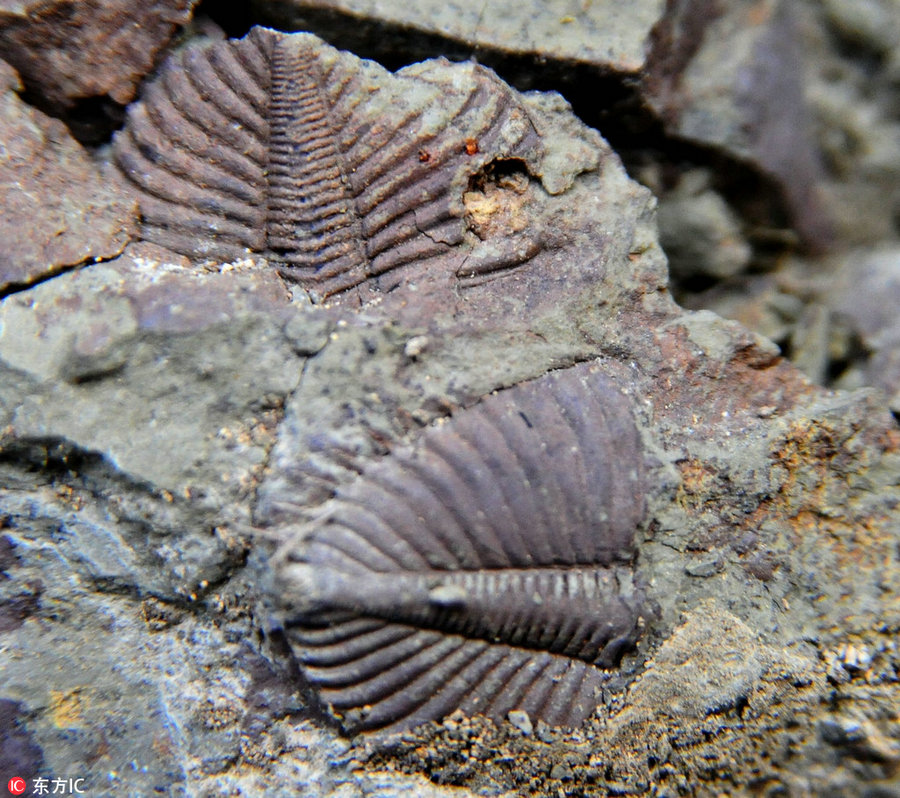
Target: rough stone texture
column 151, row 412
column 68, row 51
column 834, row 317
column 600, row 32
column 853, row 87
column 450, row 342
column 82, row 217
column 865, row 296
column 91, row 357
column 808, row 305
column 730, row 76
column 699, row 232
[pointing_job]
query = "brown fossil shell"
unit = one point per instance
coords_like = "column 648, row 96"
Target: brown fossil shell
column 486, row 568
column 278, row 145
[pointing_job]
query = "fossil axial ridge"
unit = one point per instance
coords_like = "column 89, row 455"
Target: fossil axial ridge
column 488, row 567
column 280, row 146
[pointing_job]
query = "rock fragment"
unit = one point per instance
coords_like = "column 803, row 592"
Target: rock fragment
column 353, row 182
column 601, row 32
column 852, row 93
column 730, row 76
column 700, row 233
column 58, row 209
column 865, row 296
column 68, row 52
column 708, row 665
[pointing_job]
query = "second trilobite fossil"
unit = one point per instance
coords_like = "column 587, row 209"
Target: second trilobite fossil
column 280, row 146
column 488, row 567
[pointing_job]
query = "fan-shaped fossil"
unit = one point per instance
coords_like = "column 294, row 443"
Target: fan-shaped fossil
column 486, row 568
column 339, row 172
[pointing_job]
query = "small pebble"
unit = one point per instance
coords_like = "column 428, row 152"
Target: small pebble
column 704, row 568
column 519, row 718
column 415, row 346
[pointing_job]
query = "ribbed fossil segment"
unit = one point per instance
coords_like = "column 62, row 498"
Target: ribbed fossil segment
column 196, row 148
column 486, row 568
column 277, row 145
column 312, row 224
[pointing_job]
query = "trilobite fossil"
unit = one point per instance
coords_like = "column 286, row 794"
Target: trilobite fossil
column 488, row 567
column 278, row 145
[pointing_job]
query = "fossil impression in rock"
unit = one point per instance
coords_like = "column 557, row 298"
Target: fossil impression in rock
column 339, row 172
column 488, row 567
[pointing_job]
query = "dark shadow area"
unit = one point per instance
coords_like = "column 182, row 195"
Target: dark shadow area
column 234, row 18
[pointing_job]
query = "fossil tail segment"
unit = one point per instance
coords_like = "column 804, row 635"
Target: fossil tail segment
column 486, row 568
column 337, row 171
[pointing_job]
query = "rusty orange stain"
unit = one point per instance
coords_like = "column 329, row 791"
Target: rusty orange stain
column 66, row 707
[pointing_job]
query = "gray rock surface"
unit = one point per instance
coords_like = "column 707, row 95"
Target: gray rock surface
column 700, row 233
column 806, row 303
column 161, row 426
column 730, row 76
column 601, row 32
column 854, row 99
column 864, row 296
